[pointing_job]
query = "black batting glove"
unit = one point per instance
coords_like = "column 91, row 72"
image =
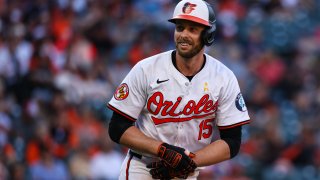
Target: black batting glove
column 161, row 170
column 176, row 158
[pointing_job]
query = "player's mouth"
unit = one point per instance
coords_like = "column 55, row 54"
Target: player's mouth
column 184, row 44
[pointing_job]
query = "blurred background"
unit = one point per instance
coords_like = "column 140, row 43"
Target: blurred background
column 61, row 60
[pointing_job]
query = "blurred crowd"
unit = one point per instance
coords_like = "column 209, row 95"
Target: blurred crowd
column 61, row 60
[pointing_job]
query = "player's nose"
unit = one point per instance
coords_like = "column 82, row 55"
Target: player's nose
column 185, row 33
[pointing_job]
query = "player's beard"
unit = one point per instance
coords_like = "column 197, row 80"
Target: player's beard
column 194, row 50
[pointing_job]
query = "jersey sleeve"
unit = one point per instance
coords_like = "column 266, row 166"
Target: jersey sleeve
column 232, row 110
column 130, row 97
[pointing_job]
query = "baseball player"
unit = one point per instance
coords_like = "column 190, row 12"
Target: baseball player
column 165, row 109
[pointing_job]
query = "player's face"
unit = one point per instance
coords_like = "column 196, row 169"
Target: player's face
column 187, row 37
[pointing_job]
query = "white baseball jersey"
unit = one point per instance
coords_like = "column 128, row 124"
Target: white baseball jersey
column 168, row 107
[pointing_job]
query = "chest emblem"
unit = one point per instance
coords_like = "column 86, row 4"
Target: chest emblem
column 157, row 105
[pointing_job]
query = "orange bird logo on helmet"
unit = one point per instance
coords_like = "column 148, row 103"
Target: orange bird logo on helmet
column 188, row 8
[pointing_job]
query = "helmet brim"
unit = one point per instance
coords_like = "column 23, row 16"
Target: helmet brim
column 190, row 18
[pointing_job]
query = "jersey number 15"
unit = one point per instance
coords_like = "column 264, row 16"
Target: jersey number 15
column 205, row 129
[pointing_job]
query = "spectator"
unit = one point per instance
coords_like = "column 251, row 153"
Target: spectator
column 106, row 163
column 48, row 167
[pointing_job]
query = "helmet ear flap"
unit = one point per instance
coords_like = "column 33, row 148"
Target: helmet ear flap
column 208, row 35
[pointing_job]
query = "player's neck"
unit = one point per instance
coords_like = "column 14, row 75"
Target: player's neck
column 190, row 66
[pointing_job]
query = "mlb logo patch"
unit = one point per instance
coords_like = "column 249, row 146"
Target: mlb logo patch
column 240, row 104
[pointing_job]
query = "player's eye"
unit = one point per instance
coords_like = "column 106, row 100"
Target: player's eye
column 193, row 29
column 179, row 28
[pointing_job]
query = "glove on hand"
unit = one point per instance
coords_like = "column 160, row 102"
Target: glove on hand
column 177, row 158
column 162, row 170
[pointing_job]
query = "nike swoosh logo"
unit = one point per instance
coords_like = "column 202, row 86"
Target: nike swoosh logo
column 158, row 81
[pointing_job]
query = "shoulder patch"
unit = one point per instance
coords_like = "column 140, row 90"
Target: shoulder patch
column 122, row 92
column 240, row 104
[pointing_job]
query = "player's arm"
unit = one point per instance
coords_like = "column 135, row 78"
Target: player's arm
column 121, row 127
column 220, row 150
column 133, row 93
column 230, row 116
column 123, row 131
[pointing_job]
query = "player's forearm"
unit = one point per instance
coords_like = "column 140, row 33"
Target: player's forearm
column 134, row 139
column 214, row 153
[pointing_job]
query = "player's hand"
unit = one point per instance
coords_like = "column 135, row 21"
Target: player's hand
column 177, row 158
column 161, row 170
